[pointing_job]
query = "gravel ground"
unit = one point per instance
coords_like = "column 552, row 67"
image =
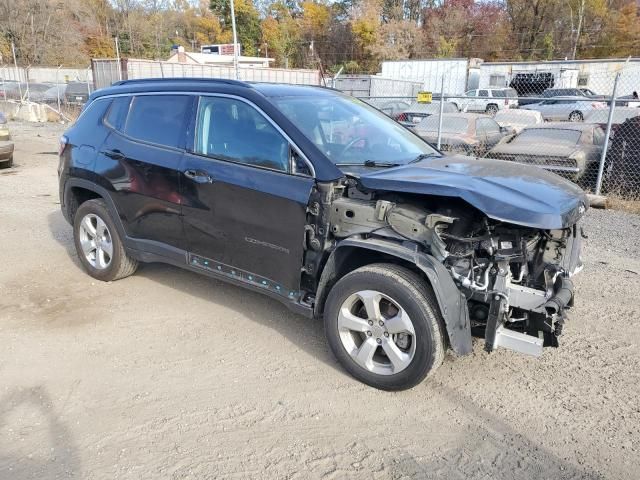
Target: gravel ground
column 168, row 374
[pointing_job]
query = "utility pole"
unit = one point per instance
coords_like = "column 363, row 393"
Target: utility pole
column 580, row 17
column 235, row 41
column 15, row 63
column 118, row 58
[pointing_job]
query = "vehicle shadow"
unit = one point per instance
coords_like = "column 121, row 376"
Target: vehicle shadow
column 57, row 456
column 307, row 334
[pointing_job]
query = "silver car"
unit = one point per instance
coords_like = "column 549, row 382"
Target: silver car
column 572, row 109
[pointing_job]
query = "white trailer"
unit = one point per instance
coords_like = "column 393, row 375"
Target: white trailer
column 430, row 72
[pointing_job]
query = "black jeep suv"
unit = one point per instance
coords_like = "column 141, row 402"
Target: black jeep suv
column 327, row 205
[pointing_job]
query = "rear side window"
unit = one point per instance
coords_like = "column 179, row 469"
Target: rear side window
column 498, row 93
column 159, row 119
column 117, row 112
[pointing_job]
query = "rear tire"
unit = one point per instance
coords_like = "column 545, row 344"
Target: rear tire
column 7, row 164
column 576, row 116
column 98, row 243
column 409, row 326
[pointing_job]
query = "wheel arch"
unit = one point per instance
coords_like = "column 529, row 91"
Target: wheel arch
column 77, row 191
column 353, row 253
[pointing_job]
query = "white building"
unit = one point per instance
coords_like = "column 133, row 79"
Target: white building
column 597, row 75
column 192, row 58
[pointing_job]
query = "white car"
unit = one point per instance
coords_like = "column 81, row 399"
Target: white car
column 488, row 100
column 518, row 119
column 573, row 109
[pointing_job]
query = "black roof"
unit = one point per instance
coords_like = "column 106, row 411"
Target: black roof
column 212, row 85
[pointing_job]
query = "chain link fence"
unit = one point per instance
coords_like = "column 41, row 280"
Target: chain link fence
column 584, row 127
column 44, row 93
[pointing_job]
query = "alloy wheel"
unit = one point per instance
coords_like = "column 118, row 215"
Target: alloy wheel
column 376, row 332
column 96, row 241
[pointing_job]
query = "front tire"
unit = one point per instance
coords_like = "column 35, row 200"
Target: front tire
column 491, row 109
column 98, row 244
column 384, row 326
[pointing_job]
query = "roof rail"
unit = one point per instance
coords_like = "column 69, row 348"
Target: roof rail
column 182, row 79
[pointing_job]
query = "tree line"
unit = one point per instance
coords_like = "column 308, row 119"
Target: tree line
column 352, row 34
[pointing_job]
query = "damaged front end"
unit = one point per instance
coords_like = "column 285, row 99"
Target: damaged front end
column 516, row 280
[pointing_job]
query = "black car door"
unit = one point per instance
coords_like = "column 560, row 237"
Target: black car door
column 140, row 160
column 244, row 208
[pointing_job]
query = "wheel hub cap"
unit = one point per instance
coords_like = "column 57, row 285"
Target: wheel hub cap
column 376, row 332
column 96, row 241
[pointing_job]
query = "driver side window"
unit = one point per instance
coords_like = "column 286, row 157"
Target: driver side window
column 229, row 129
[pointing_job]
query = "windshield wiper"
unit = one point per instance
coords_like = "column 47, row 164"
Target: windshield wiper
column 369, row 163
column 424, row 156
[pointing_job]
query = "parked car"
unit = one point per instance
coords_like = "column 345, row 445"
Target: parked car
column 620, row 115
column 5, row 134
column 487, row 100
column 76, row 92
column 531, row 84
column 13, row 90
column 393, row 108
column 516, row 120
column 622, row 165
column 54, row 93
column 36, row 92
column 417, row 112
column 572, row 150
column 572, row 92
column 572, row 109
column 5, row 87
column 398, row 249
column 465, row 133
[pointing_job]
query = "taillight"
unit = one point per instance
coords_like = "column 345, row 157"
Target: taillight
column 401, row 118
column 506, row 101
column 63, row 144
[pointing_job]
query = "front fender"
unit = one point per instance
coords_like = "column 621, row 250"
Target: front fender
column 451, row 301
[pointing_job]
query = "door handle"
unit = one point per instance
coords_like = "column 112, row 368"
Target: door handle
column 198, row 176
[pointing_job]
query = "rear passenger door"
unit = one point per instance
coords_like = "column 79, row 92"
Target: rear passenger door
column 140, row 163
column 245, row 201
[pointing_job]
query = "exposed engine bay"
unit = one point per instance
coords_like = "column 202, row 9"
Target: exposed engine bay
column 516, row 280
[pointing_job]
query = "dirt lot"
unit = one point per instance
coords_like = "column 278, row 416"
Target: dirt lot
column 168, row 374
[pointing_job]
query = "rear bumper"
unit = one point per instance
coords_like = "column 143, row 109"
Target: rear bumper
column 6, row 151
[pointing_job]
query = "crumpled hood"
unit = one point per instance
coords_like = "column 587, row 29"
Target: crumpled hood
column 505, row 191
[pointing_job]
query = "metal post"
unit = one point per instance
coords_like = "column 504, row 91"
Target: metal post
column 88, row 83
column 118, row 58
column 15, row 63
column 58, row 85
column 335, row 77
column 235, row 40
column 607, row 134
column 441, row 113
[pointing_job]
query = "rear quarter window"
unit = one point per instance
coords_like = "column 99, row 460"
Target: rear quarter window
column 158, row 119
column 117, row 112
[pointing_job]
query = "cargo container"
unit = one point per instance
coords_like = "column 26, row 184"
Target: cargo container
column 362, row 86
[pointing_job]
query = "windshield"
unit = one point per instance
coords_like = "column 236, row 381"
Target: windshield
column 350, row 132
column 449, row 124
column 548, row 135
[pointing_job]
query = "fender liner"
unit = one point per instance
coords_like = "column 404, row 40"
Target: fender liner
column 452, row 303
